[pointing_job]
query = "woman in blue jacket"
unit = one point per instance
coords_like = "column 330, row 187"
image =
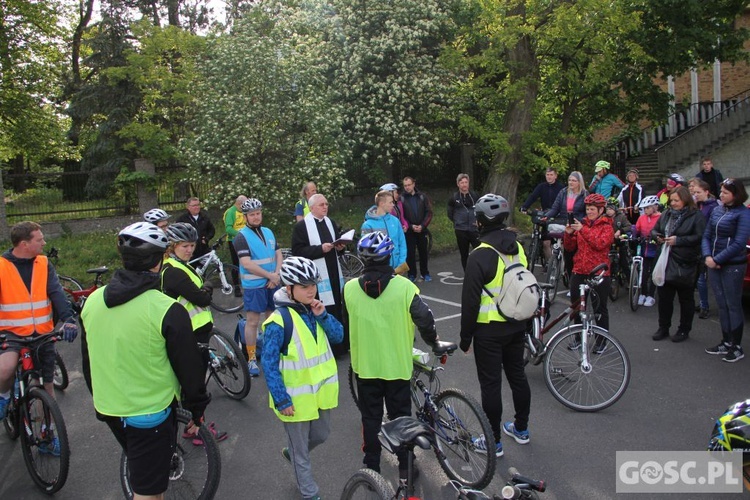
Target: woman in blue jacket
column 379, row 218
column 723, row 248
column 569, row 200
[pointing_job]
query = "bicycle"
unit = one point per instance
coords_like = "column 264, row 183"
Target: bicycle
column 227, row 365
column 351, row 265
column 536, row 252
column 455, row 418
column 74, row 290
column 60, row 379
column 636, row 274
column 35, row 416
column 583, row 375
column 407, row 433
column 227, row 296
column 618, row 273
column 195, row 471
column 555, row 266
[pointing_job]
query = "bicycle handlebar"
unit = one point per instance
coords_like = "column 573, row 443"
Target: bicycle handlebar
column 517, row 478
column 219, row 242
column 30, row 341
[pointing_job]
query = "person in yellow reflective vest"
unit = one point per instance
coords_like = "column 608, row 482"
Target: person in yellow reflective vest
column 180, row 281
column 300, row 370
column 234, row 220
column 498, row 343
column 381, row 310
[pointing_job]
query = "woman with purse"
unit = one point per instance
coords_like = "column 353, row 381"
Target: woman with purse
column 679, row 230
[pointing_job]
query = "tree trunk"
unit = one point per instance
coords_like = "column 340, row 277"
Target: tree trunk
column 18, row 179
column 4, row 230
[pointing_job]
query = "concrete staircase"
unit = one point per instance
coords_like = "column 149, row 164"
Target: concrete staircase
column 650, row 176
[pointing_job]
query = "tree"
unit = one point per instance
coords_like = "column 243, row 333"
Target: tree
column 265, row 121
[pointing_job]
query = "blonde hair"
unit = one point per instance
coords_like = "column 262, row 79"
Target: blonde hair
column 382, row 195
column 579, row 177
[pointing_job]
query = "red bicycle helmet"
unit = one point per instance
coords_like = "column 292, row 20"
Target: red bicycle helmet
column 595, row 199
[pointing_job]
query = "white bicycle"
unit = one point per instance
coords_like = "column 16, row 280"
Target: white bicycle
column 227, row 291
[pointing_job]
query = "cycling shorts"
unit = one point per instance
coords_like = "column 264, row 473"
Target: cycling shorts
column 44, row 358
column 259, row 300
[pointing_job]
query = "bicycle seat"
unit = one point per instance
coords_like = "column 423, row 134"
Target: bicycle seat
column 555, row 236
column 98, row 270
column 405, row 431
column 546, row 286
column 439, row 348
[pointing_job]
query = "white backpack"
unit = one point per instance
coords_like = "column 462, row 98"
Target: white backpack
column 519, row 297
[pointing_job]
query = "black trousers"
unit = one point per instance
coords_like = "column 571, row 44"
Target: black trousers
column 493, row 354
column 372, row 393
column 416, row 242
column 666, row 306
column 236, row 262
column 464, row 240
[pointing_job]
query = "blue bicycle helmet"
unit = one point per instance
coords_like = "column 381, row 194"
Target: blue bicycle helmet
column 375, row 246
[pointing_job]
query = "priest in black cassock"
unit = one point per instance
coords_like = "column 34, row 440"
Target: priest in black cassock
column 313, row 238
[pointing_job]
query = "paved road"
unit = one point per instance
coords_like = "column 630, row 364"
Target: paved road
column 675, row 392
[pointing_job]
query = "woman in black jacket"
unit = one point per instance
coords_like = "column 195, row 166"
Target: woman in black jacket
column 681, row 228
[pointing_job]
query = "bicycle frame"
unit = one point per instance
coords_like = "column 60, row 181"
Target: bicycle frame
column 638, row 258
column 202, row 263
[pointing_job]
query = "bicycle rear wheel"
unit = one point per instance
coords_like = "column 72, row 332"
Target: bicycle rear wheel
column 195, row 471
column 614, row 287
column 366, row 484
column 351, row 266
column 533, row 255
column 592, row 389
column 229, row 299
column 635, row 286
column 60, row 378
column 460, row 421
column 70, row 284
column 44, row 441
column 553, row 276
column 228, row 365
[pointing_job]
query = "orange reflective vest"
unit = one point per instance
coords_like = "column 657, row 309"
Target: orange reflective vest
column 20, row 312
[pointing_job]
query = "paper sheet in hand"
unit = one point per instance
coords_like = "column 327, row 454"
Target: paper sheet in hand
column 347, row 237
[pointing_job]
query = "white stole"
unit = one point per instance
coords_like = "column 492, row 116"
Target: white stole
column 325, row 290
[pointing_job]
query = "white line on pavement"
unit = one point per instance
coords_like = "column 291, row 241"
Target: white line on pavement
column 434, row 299
column 448, row 317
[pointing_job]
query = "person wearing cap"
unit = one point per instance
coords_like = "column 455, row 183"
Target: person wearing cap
column 398, row 205
column 630, row 196
column 604, row 183
column 673, row 180
column 710, row 175
column 461, row 214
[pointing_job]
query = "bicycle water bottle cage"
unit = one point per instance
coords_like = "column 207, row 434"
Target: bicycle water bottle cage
column 405, row 432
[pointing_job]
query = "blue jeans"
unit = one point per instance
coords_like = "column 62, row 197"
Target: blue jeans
column 727, row 286
column 702, row 286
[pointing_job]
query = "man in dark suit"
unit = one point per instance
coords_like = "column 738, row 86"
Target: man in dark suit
column 199, row 220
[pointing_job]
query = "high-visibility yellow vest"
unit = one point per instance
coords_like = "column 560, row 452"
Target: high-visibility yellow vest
column 199, row 316
column 487, row 307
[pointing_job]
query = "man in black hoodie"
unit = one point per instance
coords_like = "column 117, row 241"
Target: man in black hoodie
column 381, row 310
column 497, row 341
column 139, row 357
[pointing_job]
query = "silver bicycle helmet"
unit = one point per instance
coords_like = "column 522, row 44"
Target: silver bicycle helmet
column 251, row 205
column 491, row 209
column 141, row 246
column 182, row 231
column 299, row 271
column 648, row 201
column 155, row 215
column 389, row 187
column 375, row 246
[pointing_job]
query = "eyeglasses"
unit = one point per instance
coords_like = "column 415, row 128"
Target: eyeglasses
column 728, row 182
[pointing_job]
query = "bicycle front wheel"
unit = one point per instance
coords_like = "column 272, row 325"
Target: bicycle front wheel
column 635, row 286
column 11, row 421
column 228, row 366
column 351, row 266
column 226, row 299
column 44, row 441
column 459, row 423
column 366, row 484
column 60, row 377
column 533, row 255
column 553, row 277
column 614, row 287
column 195, row 470
column 591, row 388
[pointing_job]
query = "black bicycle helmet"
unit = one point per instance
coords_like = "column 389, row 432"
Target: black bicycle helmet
column 182, row 231
column 141, row 246
column 299, row 271
column 155, row 215
column 375, row 246
column 491, row 210
column 732, row 431
column 251, row 205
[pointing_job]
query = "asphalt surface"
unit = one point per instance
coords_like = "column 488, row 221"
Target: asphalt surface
column 676, row 391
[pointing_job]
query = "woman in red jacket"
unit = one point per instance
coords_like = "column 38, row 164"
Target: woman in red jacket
column 590, row 239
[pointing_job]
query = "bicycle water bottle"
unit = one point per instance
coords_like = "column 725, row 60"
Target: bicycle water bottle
column 26, row 362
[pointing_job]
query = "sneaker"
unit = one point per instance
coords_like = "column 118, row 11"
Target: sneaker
column 480, row 444
column 650, row 301
column 252, row 368
column 600, row 347
column 412, row 278
column 641, row 299
column 680, row 336
column 521, row 437
column 3, row 407
column 704, row 313
column 735, row 354
column 218, row 435
column 722, row 349
column 660, row 334
column 52, row 448
column 286, row 455
column 427, row 278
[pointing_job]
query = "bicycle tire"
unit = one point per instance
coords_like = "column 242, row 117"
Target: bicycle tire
column 196, row 470
column 11, row 421
column 230, row 370
column 428, row 235
column 353, row 385
column 224, row 300
column 614, row 287
column 367, row 484
column 528, row 356
column 591, row 391
column 351, row 266
column 60, row 379
column 42, row 422
column 635, row 286
column 553, row 277
column 461, row 420
column 70, row 284
column 531, row 258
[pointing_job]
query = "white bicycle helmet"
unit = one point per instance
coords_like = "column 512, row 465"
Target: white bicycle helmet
column 299, row 271
column 141, row 246
column 491, row 209
column 251, row 205
column 648, row 201
column 389, row 187
column 155, row 215
column 182, row 231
